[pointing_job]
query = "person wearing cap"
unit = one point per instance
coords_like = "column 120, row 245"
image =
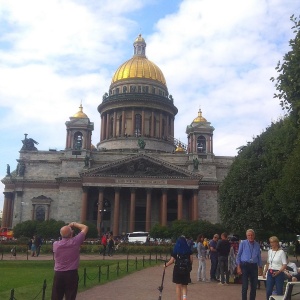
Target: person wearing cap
column 249, row 264
column 67, row 256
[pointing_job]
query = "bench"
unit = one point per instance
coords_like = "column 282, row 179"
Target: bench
column 292, row 292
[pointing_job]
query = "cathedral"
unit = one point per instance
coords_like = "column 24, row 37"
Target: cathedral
column 137, row 175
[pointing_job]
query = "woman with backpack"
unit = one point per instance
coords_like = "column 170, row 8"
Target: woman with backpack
column 182, row 256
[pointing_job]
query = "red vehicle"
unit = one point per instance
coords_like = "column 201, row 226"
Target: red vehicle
column 6, row 233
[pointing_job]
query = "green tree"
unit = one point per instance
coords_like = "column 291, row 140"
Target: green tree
column 248, row 193
column 49, row 229
column 159, row 231
column 93, row 232
column 288, row 191
column 25, row 229
column 288, row 80
column 262, row 188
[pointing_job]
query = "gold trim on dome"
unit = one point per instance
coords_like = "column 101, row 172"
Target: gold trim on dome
column 199, row 118
column 179, row 148
column 80, row 113
column 139, row 67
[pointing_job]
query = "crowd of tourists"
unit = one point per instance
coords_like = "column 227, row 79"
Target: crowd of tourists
column 232, row 261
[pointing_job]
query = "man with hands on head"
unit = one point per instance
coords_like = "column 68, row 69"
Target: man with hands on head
column 67, row 256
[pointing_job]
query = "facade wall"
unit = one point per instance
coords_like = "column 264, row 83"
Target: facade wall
column 43, row 168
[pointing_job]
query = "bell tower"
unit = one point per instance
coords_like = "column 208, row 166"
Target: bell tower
column 79, row 133
column 200, row 136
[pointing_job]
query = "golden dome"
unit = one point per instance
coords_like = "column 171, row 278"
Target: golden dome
column 80, row 113
column 179, row 149
column 199, row 118
column 139, row 66
column 140, row 39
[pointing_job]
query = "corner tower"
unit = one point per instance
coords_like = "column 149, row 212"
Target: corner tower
column 79, row 132
column 200, row 136
column 138, row 109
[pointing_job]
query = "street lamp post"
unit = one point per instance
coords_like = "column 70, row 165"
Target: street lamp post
column 102, row 211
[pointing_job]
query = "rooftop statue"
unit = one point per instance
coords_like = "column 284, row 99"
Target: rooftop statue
column 8, row 170
column 28, row 144
column 141, row 143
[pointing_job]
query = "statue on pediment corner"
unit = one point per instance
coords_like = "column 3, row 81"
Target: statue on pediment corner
column 28, row 144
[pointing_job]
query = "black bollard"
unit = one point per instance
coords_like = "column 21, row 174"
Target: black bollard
column 44, row 289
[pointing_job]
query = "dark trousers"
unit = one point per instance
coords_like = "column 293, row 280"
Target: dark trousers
column 213, row 267
column 223, row 265
column 65, row 284
column 249, row 271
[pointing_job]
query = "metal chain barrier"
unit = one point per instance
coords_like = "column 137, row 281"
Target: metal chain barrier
column 108, row 270
column 43, row 291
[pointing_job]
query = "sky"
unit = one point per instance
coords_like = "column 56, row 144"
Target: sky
column 215, row 55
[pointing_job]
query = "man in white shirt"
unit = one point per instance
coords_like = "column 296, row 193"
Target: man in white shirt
column 290, row 271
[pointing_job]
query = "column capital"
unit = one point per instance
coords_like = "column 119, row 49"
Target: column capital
column 8, row 194
column 180, row 191
column 85, row 189
column 117, row 189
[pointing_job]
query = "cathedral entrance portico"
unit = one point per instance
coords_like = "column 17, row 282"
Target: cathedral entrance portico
column 128, row 209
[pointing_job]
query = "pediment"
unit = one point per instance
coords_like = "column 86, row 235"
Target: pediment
column 141, row 165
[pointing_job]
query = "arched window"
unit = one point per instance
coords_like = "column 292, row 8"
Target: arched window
column 40, row 213
column 125, row 89
column 138, row 125
column 78, row 139
column 201, row 144
column 120, row 125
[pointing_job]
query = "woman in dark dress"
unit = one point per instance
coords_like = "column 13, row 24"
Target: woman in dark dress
column 181, row 255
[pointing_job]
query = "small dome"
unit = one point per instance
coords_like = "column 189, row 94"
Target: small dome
column 139, row 39
column 80, row 114
column 199, row 119
column 179, row 149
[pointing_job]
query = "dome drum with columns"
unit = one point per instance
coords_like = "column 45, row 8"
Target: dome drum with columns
column 138, row 175
column 138, row 106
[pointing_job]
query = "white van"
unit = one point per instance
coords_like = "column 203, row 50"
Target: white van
column 137, row 237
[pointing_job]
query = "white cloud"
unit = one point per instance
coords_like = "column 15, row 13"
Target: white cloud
column 215, row 54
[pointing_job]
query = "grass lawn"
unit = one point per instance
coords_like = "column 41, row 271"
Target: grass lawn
column 27, row 277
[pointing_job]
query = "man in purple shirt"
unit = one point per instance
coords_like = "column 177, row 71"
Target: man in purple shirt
column 66, row 256
column 247, row 260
